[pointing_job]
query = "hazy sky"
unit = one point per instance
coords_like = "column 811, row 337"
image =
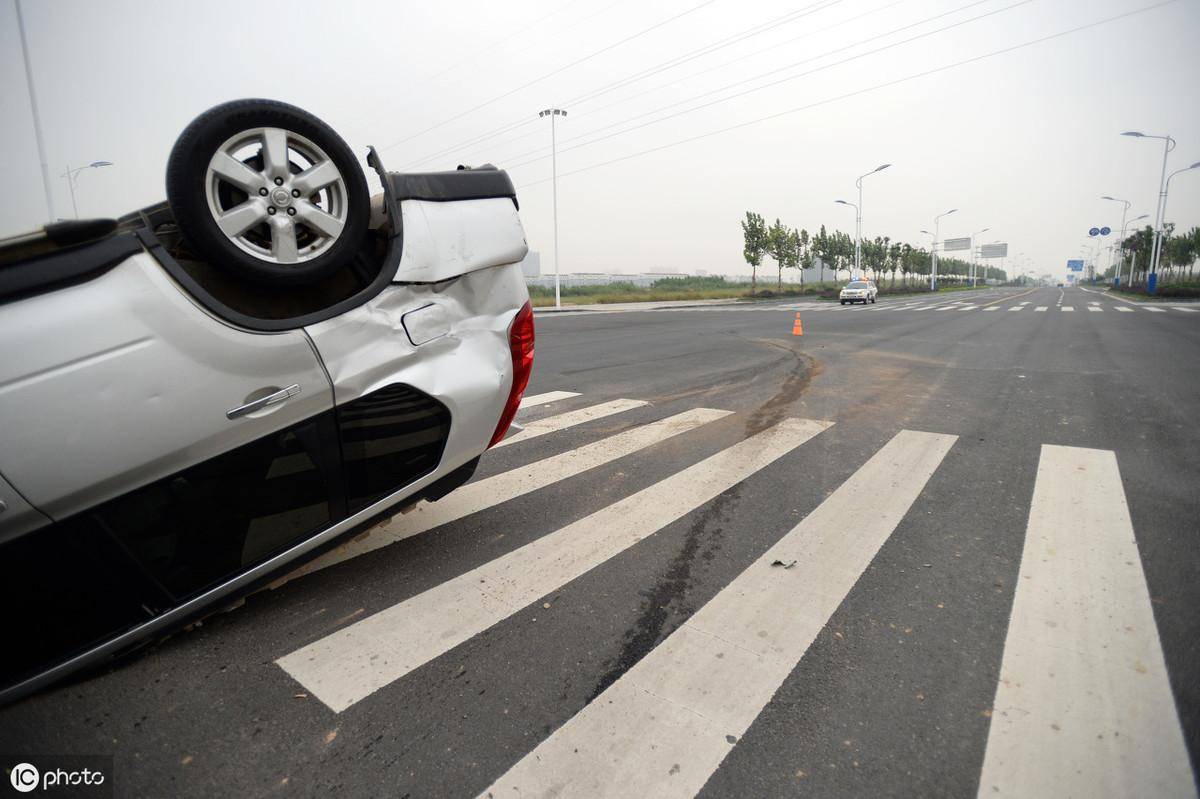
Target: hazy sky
column 1024, row 142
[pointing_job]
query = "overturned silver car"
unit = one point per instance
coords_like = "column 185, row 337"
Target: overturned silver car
column 212, row 389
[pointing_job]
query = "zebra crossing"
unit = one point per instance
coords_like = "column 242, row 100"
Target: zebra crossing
column 998, row 305
column 884, row 305
column 1083, row 705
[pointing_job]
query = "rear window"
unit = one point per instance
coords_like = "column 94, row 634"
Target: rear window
column 856, row 285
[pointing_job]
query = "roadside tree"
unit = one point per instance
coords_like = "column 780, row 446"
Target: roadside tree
column 754, row 247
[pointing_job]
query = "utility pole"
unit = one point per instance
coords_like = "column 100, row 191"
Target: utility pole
column 937, row 220
column 1168, row 146
column 858, row 223
column 974, row 268
column 554, row 113
column 72, row 175
column 37, row 119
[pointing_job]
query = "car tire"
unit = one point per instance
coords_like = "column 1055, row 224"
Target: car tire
column 843, row 302
column 268, row 193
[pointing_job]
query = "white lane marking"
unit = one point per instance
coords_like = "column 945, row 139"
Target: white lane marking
column 1123, row 309
column 1095, row 308
column 1016, row 308
column 483, row 494
column 1023, row 302
column 967, row 307
column 1083, row 706
column 992, row 308
column 562, row 421
column 1093, row 302
column 664, row 727
column 1067, row 308
column 1156, row 310
column 546, row 399
column 1185, row 310
column 1039, row 308
column 348, row 665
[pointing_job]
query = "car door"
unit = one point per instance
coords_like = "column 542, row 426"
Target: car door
column 166, row 451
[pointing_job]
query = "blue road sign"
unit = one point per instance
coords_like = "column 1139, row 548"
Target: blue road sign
column 1075, row 266
column 1094, row 231
column 1104, row 231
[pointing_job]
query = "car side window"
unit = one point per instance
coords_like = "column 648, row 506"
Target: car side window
column 389, row 438
column 213, row 520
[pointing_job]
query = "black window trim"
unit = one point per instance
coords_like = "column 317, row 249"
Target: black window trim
column 244, row 583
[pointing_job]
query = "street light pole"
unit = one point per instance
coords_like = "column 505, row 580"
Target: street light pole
column 1168, row 146
column 37, row 119
column 857, row 216
column 1167, row 189
column 974, row 268
column 553, row 113
column 937, row 220
column 73, row 174
column 858, row 222
column 1124, row 227
column 1124, row 213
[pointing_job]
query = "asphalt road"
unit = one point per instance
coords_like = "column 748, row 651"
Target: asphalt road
column 970, row 610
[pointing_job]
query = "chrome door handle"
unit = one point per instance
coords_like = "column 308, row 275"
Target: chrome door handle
column 262, row 402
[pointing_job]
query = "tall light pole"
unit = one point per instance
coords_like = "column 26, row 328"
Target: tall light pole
column 1124, row 213
column 937, row 220
column 1168, row 146
column 973, row 267
column 858, row 222
column 857, row 217
column 554, row 113
column 1167, row 189
column 73, row 174
column 37, row 119
column 1124, row 227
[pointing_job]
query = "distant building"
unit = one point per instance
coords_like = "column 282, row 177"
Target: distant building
column 532, row 265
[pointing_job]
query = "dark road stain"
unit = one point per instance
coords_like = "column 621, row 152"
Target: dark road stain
column 663, row 600
column 703, row 538
column 800, row 373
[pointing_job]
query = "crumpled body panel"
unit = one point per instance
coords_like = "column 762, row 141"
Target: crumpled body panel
column 446, row 239
column 468, row 366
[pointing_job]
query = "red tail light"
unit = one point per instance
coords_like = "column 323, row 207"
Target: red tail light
column 520, row 343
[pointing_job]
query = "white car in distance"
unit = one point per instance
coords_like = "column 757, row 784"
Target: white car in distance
column 863, row 291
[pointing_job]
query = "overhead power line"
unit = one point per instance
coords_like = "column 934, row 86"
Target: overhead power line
column 858, row 92
column 777, row 70
column 553, row 72
column 662, row 66
column 722, row 65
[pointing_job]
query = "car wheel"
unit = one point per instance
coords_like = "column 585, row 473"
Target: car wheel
column 843, row 302
column 267, row 192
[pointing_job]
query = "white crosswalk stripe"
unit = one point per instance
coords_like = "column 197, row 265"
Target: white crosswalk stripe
column 1156, row 310
column 1083, row 706
column 1068, row 308
column 347, row 666
column 545, row 399
column 1095, row 308
column 664, row 726
column 1123, row 309
column 1040, row 308
column 483, row 494
column 562, row 421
